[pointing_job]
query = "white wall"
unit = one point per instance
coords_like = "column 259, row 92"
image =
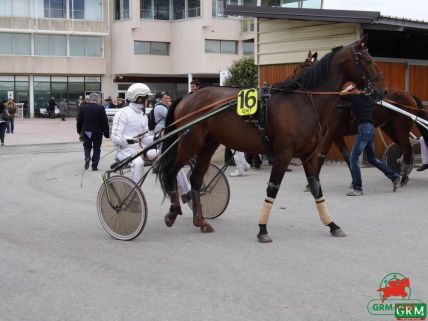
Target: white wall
column 287, row 41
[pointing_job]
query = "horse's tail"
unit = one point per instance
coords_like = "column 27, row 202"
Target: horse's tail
column 422, row 114
column 166, row 160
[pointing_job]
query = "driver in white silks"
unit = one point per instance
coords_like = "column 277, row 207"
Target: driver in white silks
column 131, row 122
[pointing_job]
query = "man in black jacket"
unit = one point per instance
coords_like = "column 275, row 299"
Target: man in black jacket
column 92, row 124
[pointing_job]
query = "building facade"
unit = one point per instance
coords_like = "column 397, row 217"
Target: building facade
column 68, row 48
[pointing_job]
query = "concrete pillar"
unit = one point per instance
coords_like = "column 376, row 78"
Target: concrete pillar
column 31, row 96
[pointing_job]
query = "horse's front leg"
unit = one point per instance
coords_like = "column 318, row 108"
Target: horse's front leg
column 316, row 191
column 280, row 164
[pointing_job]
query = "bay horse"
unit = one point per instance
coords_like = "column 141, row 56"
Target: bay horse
column 294, row 129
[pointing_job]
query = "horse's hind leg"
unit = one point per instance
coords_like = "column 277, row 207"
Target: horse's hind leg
column 174, row 208
column 202, row 163
column 316, row 191
column 400, row 135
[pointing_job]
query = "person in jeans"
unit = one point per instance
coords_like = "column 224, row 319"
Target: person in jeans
column 12, row 109
column 362, row 109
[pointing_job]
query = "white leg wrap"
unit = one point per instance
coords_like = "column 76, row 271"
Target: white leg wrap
column 323, row 211
column 265, row 211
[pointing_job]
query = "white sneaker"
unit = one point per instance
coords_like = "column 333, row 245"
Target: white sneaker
column 355, row 192
column 246, row 166
column 236, row 173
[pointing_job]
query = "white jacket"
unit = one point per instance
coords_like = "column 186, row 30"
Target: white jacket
column 128, row 123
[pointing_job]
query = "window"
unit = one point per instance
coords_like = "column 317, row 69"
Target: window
column 142, row 47
column 248, row 47
column 58, row 45
column 151, row 48
column 50, row 45
column 86, row 46
column 121, row 9
column 15, row 8
column 314, row 4
column 21, row 44
column 77, row 9
column 221, row 46
column 161, row 9
column 193, row 8
column 15, row 43
column 54, row 8
column 6, row 41
column 146, row 9
column 218, row 6
column 42, row 45
column 227, row 46
column 179, row 9
column 170, row 9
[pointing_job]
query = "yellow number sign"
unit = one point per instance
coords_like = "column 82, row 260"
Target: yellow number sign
column 247, row 102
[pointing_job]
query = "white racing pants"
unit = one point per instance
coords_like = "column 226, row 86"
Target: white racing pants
column 137, row 165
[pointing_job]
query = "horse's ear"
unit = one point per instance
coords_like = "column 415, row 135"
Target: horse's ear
column 363, row 41
column 314, row 56
column 310, row 54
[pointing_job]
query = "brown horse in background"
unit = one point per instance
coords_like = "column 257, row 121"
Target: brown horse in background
column 395, row 125
column 294, row 127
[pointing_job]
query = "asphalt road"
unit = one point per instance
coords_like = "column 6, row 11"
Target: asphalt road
column 57, row 262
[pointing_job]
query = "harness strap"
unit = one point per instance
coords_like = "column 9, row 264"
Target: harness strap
column 402, row 105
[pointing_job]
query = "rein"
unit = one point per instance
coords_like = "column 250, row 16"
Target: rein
column 198, row 111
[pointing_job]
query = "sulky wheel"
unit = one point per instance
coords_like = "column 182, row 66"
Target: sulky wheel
column 125, row 215
column 393, row 158
column 215, row 192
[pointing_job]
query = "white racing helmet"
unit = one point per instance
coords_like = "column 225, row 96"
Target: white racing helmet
column 137, row 90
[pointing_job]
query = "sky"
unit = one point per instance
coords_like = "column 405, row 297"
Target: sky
column 411, row 9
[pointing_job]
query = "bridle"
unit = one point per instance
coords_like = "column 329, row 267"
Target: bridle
column 369, row 88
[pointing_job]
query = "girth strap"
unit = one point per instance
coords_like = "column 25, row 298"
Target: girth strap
column 262, row 117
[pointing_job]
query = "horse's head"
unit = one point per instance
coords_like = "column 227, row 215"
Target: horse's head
column 304, row 66
column 362, row 70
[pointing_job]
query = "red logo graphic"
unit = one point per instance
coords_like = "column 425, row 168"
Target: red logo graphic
column 395, row 287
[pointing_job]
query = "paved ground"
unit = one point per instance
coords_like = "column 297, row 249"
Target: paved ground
column 57, row 263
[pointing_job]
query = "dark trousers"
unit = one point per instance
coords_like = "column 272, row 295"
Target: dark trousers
column 10, row 125
column 2, row 131
column 92, row 143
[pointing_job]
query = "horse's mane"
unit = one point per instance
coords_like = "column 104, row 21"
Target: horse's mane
column 316, row 74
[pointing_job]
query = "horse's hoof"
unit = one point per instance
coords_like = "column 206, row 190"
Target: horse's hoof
column 404, row 180
column 264, row 238
column 338, row 233
column 170, row 219
column 206, row 228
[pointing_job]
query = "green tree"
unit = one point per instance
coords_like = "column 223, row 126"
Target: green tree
column 243, row 73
